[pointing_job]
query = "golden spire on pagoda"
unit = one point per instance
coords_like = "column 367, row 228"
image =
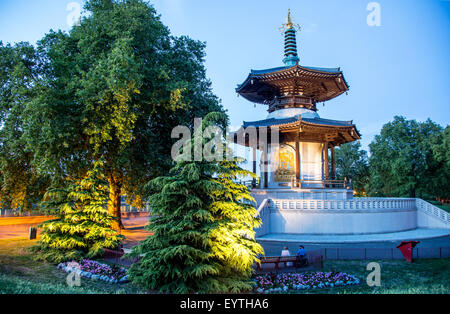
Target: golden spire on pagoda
column 289, row 24
column 290, row 41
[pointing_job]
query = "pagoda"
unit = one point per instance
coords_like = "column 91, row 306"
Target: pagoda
column 303, row 155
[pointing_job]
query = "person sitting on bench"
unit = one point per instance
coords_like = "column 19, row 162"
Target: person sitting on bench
column 285, row 252
column 301, row 253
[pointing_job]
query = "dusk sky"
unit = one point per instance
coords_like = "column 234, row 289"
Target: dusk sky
column 401, row 67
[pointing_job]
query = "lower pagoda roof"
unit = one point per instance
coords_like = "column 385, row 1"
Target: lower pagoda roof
column 329, row 70
column 334, row 131
column 288, row 121
column 320, row 84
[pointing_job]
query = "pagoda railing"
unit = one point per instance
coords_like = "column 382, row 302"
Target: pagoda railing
column 304, row 184
column 251, row 184
column 322, row 184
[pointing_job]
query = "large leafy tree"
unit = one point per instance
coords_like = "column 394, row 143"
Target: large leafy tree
column 352, row 163
column 438, row 160
column 20, row 184
column 83, row 227
column 114, row 86
column 408, row 160
column 203, row 229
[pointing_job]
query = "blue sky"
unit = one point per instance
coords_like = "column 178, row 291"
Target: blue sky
column 399, row 68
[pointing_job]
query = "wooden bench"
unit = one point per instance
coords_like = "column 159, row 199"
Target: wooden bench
column 116, row 254
column 295, row 260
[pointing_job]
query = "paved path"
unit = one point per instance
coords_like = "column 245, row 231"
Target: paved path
column 18, row 227
column 134, row 230
column 26, row 220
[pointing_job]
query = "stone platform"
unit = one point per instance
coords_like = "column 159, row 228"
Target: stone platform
column 416, row 234
column 282, row 213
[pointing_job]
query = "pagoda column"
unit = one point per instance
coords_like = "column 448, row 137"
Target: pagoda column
column 266, row 176
column 263, row 142
column 297, row 160
column 333, row 166
column 254, row 166
column 326, row 164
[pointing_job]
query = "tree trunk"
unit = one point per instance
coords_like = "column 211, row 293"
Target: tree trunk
column 115, row 193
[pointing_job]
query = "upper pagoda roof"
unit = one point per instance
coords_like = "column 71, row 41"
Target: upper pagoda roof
column 320, row 84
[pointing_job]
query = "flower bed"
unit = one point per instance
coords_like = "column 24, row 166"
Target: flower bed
column 299, row 281
column 96, row 271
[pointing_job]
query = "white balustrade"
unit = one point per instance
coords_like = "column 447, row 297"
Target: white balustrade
column 354, row 204
column 358, row 204
column 264, row 213
column 364, row 215
column 433, row 211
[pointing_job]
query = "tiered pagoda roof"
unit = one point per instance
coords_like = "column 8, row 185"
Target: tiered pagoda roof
column 311, row 84
column 287, row 122
column 297, row 86
column 334, row 131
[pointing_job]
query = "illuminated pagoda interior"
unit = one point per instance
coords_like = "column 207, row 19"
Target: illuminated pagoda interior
column 304, row 157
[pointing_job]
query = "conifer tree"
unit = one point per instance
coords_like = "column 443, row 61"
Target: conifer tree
column 203, row 225
column 83, row 227
column 233, row 210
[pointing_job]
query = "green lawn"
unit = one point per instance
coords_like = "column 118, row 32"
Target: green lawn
column 444, row 207
column 397, row 276
column 19, row 273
